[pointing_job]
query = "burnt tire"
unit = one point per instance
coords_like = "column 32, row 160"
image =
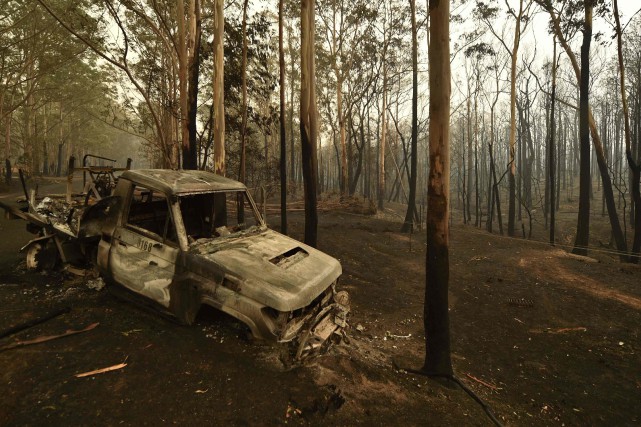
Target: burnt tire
column 42, row 256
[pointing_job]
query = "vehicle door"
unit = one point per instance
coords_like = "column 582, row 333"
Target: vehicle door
column 145, row 246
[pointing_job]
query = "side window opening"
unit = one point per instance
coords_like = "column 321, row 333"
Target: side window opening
column 149, row 211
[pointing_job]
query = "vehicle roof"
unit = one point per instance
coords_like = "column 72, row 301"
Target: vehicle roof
column 181, row 182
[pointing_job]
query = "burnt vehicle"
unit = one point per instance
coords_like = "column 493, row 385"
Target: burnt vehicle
column 67, row 225
column 187, row 238
column 184, row 239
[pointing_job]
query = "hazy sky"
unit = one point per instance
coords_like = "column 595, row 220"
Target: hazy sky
column 535, row 39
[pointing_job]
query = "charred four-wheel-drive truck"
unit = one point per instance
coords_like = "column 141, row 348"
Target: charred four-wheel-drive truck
column 184, row 239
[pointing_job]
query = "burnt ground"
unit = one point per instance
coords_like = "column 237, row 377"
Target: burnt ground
column 542, row 337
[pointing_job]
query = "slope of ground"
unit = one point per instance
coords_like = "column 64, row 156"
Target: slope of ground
column 542, row 337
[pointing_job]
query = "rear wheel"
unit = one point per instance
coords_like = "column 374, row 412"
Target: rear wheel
column 42, row 256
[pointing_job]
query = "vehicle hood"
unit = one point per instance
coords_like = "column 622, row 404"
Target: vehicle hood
column 268, row 267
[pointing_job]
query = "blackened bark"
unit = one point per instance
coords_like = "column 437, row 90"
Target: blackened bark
column 408, row 224
column 355, row 175
column 309, row 181
column 436, row 316
column 7, row 173
column 59, row 161
column 308, row 120
column 635, row 166
column 497, row 195
column 243, row 76
column 636, row 195
column 511, row 206
column 242, row 175
column 190, row 155
column 551, row 151
column 283, row 136
column 583, row 220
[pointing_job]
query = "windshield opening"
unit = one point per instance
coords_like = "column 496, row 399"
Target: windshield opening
column 208, row 215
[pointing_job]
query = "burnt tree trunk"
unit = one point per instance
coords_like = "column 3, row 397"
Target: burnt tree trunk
column 512, row 151
column 283, row 136
column 436, row 317
column 308, row 120
column 551, row 167
column 583, row 220
column 635, row 168
column 408, row 224
column 495, row 192
column 190, row 155
column 354, row 177
column 219, row 89
column 243, row 106
column 7, row 172
column 608, row 193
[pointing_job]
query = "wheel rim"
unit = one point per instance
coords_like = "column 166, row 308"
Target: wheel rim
column 42, row 256
column 32, row 256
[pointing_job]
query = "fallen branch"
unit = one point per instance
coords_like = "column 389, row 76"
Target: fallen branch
column 559, row 330
column 102, row 370
column 46, row 338
column 563, row 330
column 583, row 258
column 488, row 385
column 34, row 322
column 322, row 206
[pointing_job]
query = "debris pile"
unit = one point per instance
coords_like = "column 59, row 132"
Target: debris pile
column 58, row 211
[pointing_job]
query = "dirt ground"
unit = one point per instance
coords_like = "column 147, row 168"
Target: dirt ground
column 542, row 337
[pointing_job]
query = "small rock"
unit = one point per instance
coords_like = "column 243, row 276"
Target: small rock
column 96, row 284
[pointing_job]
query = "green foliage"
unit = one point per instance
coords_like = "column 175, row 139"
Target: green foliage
column 479, row 50
column 486, row 10
column 262, row 79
